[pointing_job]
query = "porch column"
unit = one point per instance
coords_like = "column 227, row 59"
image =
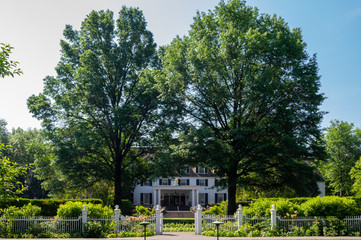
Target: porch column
column 159, row 197
column 154, row 197
column 197, row 197
column 193, row 202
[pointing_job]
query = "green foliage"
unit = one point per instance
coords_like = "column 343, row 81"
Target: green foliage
column 215, row 210
column 318, row 206
column 355, row 175
column 102, row 102
column 26, row 147
column 48, row 207
column 126, row 207
column 262, row 207
column 178, row 220
column 6, row 229
column 74, row 209
column 94, row 229
column 250, row 93
column 24, row 211
column 178, row 227
column 7, row 67
column 343, row 146
column 330, row 206
column 9, row 173
column 144, row 211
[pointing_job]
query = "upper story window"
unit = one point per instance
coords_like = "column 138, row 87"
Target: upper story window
column 201, row 170
column 202, row 182
column 164, row 181
column 184, row 171
column 183, row 182
column 147, row 183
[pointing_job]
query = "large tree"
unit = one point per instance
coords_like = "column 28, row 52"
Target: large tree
column 101, row 110
column 343, row 147
column 250, row 92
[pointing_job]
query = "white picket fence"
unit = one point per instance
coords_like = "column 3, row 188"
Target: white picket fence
column 234, row 222
column 69, row 225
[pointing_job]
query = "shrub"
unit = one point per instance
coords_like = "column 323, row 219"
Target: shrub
column 25, row 211
column 179, row 220
column 215, row 210
column 262, row 207
column 48, row 207
column 126, row 207
column 144, row 211
column 94, row 229
column 74, row 209
column 70, row 209
column 330, row 206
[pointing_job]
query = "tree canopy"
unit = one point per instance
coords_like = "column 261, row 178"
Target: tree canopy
column 101, row 110
column 343, row 147
column 9, row 174
column 250, row 95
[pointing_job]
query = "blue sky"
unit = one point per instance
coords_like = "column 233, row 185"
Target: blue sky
column 331, row 29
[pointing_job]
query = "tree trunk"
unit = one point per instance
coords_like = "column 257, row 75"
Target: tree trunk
column 232, row 188
column 118, row 184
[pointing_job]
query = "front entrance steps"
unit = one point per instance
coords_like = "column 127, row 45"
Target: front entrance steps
column 178, row 212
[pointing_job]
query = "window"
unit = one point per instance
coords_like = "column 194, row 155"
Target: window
column 148, row 183
column 164, row 181
column 203, row 198
column 184, row 171
column 219, row 197
column 201, row 170
column 183, row 181
column 146, row 198
column 202, row 182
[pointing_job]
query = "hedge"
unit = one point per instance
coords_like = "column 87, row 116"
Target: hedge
column 49, row 207
column 178, row 220
column 126, row 207
column 317, row 206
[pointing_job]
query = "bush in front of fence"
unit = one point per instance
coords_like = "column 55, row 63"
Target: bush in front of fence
column 24, row 211
column 318, row 206
column 178, row 227
column 262, row 207
column 48, row 207
column 261, row 229
column 74, row 209
column 94, row 229
column 216, row 208
column 144, row 211
column 329, row 227
column 330, row 206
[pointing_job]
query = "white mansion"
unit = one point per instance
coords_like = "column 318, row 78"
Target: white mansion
column 195, row 187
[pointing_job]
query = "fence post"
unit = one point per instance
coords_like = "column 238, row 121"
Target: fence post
column 84, row 216
column 116, row 216
column 240, row 215
column 198, row 220
column 273, row 216
column 158, row 221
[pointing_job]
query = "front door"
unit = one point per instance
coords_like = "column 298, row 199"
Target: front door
column 174, row 199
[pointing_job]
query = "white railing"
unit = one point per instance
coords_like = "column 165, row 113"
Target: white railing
column 19, row 225
column 46, row 224
column 230, row 222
